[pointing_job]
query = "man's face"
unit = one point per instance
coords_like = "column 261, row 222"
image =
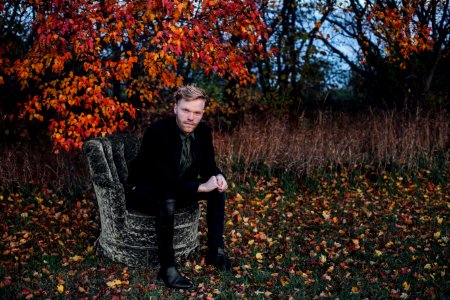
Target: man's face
column 189, row 114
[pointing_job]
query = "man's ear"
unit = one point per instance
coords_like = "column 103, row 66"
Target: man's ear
column 175, row 108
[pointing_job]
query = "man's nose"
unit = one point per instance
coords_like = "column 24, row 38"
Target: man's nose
column 190, row 116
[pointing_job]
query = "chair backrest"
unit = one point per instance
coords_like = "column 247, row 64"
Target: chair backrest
column 97, row 152
column 124, row 149
column 109, row 158
column 108, row 166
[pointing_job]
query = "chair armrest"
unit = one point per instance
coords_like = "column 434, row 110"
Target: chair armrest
column 99, row 169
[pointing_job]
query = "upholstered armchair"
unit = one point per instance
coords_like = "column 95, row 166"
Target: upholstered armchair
column 128, row 236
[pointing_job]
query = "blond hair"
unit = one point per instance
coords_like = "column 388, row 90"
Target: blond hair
column 190, row 92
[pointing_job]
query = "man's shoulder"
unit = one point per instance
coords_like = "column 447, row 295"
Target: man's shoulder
column 163, row 125
column 202, row 129
column 203, row 126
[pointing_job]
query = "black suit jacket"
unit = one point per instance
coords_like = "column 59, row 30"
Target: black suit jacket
column 159, row 157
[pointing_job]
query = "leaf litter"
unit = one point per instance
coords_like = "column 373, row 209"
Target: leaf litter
column 340, row 238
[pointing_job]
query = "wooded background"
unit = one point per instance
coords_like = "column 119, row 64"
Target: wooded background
column 78, row 69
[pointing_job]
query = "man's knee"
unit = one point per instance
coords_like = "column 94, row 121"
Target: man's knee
column 167, row 206
column 218, row 196
column 213, row 195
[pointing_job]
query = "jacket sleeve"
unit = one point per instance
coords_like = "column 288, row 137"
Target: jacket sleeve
column 210, row 166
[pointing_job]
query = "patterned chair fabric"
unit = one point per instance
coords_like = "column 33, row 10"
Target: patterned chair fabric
column 128, row 236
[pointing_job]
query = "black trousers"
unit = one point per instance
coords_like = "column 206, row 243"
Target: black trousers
column 146, row 199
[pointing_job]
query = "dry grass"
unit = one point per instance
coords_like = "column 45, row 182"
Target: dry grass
column 27, row 166
column 302, row 148
column 312, row 143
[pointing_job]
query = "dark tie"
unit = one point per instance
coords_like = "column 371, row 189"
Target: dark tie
column 186, row 157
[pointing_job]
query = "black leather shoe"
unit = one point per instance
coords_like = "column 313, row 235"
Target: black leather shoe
column 220, row 260
column 174, row 280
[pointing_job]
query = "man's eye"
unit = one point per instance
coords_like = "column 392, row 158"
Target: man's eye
column 197, row 113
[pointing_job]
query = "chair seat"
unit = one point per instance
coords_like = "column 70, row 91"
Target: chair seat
column 141, row 231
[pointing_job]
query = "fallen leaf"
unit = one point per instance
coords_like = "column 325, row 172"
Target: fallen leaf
column 77, row 258
column 323, row 258
column 60, row 288
column 406, row 286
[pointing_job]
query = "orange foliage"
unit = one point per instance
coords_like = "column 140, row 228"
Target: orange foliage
column 83, row 48
column 400, row 31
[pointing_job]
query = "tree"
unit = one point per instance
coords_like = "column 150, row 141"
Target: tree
column 391, row 44
column 91, row 64
column 298, row 68
column 15, row 40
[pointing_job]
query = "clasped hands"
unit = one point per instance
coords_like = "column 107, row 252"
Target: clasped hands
column 215, row 182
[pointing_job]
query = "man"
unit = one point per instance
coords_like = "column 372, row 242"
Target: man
column 174, row 167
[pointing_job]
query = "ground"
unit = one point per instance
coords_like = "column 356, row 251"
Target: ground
column 340, row 235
